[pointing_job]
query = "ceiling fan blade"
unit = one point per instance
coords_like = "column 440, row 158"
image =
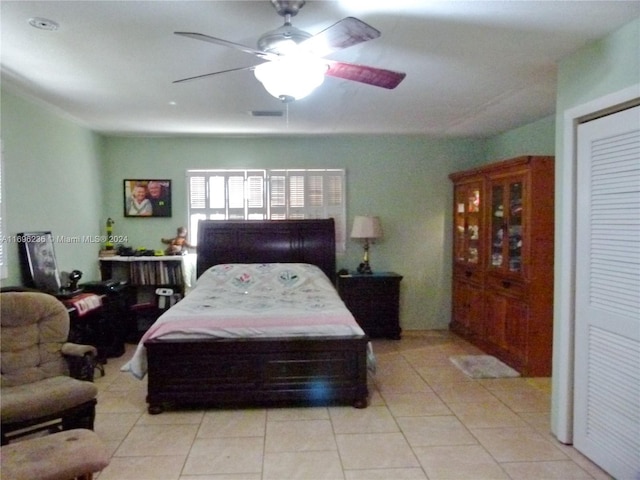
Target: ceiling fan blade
column 212, row 74
column 347, row 32
column 370, row 75
column 227, row 43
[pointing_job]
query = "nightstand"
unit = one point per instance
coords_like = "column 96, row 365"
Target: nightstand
column 374, row 301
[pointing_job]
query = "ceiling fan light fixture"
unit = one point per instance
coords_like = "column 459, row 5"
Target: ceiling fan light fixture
column 291, row 79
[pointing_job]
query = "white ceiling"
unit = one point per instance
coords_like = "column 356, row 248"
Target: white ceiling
column 474, row 68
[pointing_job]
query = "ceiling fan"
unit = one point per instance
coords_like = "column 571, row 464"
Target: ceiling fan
column 293, row 64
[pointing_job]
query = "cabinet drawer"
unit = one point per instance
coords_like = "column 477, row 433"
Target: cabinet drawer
column 507, row 286
column 467, row 274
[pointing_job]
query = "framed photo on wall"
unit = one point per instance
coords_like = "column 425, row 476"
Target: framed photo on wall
column 147, row 198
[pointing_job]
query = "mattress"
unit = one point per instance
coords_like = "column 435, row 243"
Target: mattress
column 253, row 301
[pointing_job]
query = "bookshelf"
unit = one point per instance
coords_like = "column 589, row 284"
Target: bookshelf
column 143, row 275
column 163, row 271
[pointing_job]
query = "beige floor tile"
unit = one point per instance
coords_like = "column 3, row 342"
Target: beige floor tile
column 111, row 445
column 485, row 414
column 386, row 474
column 233, row 423
column 301, row 413
column 433, row 431
column 415, row 404
column 157, row 440
column 114, row 426
column 224, row 476
column 122, row 401
column 229, row 476
column 407, row 381
column 517, row 444
column 541, row 421
column 524, row 400
column 144, row 468
column 459, row 463
column 493, row 384
column 375, row 450
column 362, row 420
column 463, row 392
column 120, row 381
column 173, row 417
column 443, row 374
column 299, row 436
column 560, row 470
column 302, row 466
column 541, row 383
column 225, row 455
column 375, row 397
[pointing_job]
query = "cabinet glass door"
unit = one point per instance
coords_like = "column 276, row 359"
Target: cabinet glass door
column 467, row 223
column 506, row 225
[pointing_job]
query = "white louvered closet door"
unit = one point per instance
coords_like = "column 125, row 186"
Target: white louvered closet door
column 607, row 340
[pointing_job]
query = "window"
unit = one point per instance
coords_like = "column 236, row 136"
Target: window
column 267, row 194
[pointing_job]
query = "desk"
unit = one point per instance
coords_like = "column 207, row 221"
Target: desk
column 87, row 324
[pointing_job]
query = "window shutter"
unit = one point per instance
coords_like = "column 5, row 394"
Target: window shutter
column 256, row 201
column 197, row 192
column 274, row 194
column 278, row 196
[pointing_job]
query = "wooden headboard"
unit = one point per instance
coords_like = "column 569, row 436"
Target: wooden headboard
column 267, row 241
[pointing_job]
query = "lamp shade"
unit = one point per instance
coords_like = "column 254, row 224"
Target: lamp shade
column 366, row 227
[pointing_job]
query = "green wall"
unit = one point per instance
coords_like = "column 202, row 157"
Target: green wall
column 536, row 138
column 52, row 181
column 402, row 179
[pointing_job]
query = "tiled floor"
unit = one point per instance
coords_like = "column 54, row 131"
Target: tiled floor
column 426, row 420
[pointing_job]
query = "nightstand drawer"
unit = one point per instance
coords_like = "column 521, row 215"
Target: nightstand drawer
column 374, row 301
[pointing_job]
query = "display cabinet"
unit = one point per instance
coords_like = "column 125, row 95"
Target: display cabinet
column 468, row 256
column 503, row 300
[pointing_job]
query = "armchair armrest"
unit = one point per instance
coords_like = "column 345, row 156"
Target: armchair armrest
column 81, row 360
column 77, row 350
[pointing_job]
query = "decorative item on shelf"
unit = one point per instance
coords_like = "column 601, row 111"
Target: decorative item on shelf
column 367, row 228
column 177, row 245
column 109, row 244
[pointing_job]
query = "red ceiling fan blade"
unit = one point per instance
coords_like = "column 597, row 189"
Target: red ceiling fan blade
column 227, row 43
column 212, row 74
column 347, row 32
column 361, row 73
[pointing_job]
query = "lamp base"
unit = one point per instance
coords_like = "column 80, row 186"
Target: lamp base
column 364, row 269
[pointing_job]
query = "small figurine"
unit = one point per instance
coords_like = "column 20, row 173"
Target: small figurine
column 177, row 245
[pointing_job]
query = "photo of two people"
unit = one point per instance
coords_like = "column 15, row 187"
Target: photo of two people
column 147, row 198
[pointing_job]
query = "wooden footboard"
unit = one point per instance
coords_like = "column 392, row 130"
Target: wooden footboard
column 252, row 372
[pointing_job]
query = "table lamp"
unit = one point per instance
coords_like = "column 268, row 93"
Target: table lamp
column 367, row 228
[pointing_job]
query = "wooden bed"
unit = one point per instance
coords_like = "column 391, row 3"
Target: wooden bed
column 250, row 372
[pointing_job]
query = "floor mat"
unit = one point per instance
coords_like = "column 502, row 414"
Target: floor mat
column 483, row 366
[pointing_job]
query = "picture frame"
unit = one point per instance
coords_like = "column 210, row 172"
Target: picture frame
column 38, row 258
column 147, row 198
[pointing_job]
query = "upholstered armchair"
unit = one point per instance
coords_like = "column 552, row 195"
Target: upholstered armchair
column 38, row 390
